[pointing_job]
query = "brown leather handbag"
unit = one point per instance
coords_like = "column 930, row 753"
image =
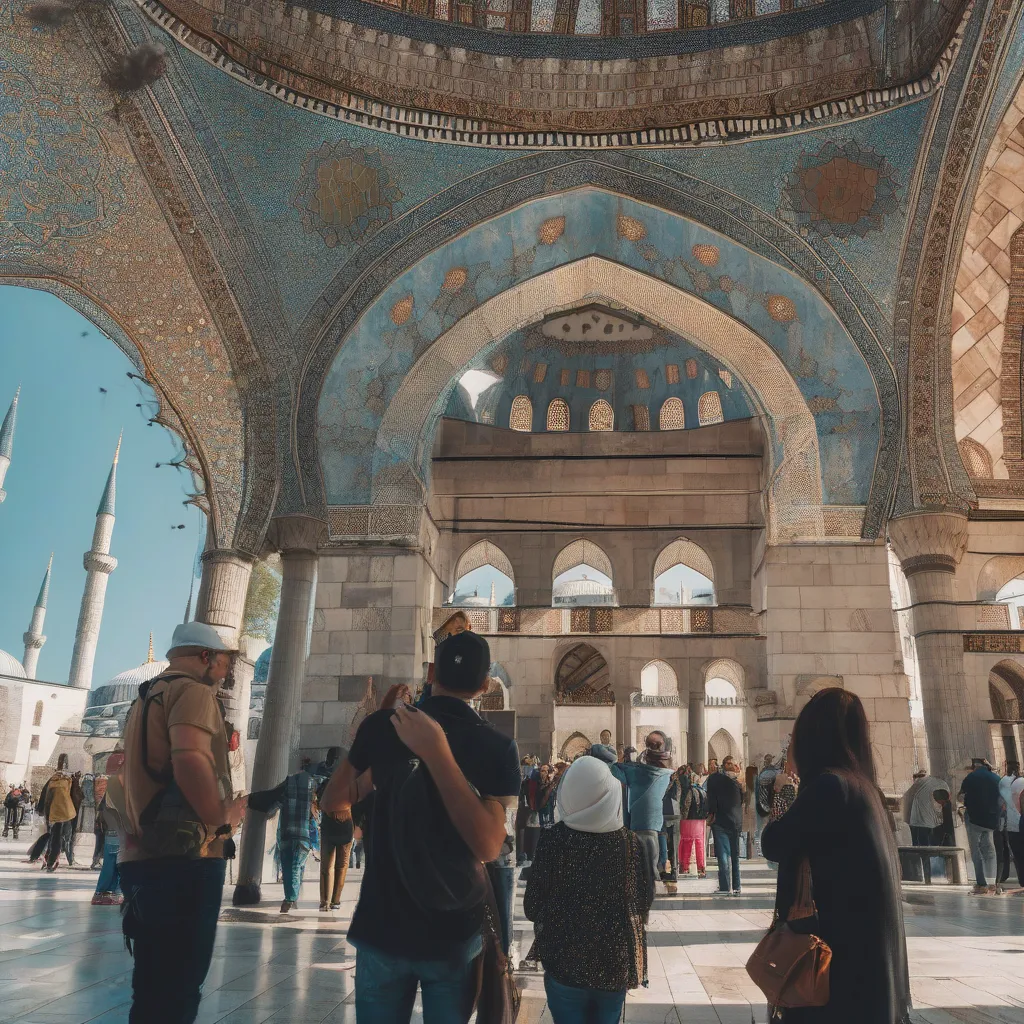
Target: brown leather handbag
column 790, row 968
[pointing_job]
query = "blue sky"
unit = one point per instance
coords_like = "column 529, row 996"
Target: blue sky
column 65, row 439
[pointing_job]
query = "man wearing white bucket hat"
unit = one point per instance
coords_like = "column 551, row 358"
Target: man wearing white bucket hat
column 179, row 813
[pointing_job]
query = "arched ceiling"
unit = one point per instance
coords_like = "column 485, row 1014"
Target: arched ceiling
column 635, row 376
column 817, row 361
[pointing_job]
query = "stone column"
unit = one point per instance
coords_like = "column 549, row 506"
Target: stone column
column 929, row 546
column 696, row 735
column 297, row 538
column 221, row 604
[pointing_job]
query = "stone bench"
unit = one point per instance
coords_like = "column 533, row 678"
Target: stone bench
column 915, row 863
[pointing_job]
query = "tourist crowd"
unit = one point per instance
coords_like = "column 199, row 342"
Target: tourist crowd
column 440, row 808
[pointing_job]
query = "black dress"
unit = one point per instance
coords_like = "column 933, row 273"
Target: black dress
column 840, row 822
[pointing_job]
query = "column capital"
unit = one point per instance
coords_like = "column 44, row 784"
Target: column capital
column 297, row 534
column 929, row 541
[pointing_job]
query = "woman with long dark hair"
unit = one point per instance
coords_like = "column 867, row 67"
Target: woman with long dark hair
column 840, row 824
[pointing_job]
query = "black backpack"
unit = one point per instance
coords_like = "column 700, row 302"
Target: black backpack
column 698, row 805
column 433, row 862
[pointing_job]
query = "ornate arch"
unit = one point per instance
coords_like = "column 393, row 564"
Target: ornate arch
column 1006, row 690
column 405, row 437
column 996, row 573
column 722, row 744
column 671, row 690
column 525, row 181
column 725, row 668
column 684, row 552
column 582, row 552
column 483, row 552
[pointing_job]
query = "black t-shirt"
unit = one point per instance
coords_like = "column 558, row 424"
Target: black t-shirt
column 725, row 801
column 386, row 917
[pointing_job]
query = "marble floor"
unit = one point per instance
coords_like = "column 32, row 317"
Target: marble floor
column 63, row 961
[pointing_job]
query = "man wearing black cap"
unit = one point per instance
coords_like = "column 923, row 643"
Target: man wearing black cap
column 476, row 772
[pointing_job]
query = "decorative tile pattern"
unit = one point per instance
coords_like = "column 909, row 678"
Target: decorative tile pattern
column 992, row 643
column 345, row 192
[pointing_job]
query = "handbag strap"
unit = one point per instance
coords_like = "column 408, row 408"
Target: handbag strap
column 803, row 901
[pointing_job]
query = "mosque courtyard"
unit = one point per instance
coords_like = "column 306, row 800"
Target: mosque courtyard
column 63, row 961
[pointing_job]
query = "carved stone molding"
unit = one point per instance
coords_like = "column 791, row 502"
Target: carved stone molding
column 289, row 534
column 929, row 541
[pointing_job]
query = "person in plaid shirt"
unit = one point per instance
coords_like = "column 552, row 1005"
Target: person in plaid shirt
column 296, row 799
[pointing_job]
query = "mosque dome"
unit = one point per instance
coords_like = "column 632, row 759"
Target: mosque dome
column 584, row 591
column 261, row 670
column 10, row 666
column 108, row 704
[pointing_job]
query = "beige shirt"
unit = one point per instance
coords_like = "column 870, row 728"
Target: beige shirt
column 176, row 699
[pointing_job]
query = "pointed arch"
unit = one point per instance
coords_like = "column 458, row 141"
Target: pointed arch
column 520, row 416
column 558, row 415
column 582, row 552
column 602, row 416
column 672, row 415
column 1006, row 690
column 582, row 677
column 484, row 552
column 684, row 552
column 722, row 745
column 405, row 435
column 574, row 745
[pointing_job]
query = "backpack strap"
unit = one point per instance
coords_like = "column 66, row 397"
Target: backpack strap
column 148, row 698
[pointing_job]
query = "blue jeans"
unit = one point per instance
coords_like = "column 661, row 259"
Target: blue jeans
column 110, row 879
column 503, row 879
column 386, row 988
column 727, row 851
column 983, row 852
column 293, row 863
column 571, row 1005
column 170, row 918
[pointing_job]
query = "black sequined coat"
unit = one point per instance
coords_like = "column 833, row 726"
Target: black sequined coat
column 588, row 895
column 840, row 823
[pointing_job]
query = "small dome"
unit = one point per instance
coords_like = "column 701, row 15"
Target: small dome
column 261, row 670
column 10, row 666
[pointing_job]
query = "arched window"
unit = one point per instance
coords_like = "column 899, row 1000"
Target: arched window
column 521, row 416
column 683, row 575
column 658, row 680
column 1012, row 594
column 601, row 416
column 709, row 409
column 671, row 416
column 976, row 458
column 720, row 691
column 558, row 415
column 254, row 728
column 641, row 418
column 37, row 715
column 483, row 578
column 582, row 576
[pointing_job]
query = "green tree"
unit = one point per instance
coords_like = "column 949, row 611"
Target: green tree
column 262, row 601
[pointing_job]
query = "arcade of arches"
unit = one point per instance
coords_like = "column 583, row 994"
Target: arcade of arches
column 728, row 396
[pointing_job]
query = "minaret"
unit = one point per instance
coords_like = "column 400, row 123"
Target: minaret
column 99, row 564
column 150, row 659
column 7, row 441
column 34, row 638
column 493, row 601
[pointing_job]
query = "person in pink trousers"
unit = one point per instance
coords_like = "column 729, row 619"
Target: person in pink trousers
column 693, row 813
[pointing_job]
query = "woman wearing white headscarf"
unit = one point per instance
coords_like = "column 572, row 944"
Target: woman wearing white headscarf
column 589, row 892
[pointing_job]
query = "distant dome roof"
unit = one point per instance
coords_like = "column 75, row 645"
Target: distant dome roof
column 124, row 688
column 10, row 666
column 582, row 588
column 261, row 670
